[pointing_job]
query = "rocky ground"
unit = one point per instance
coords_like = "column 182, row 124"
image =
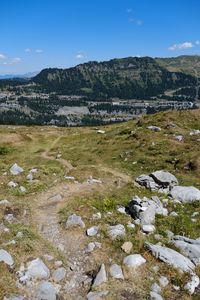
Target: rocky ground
column 83, row 217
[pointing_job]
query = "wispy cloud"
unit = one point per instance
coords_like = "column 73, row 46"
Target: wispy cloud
column 81, row 55
column 27, row 50
column 15, row 60
column 2, row 56
column 185, row 45
column 39, row 51
column 132, row 19
column 129, row 10
column 197, row 42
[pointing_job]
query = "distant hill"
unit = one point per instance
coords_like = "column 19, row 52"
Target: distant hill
column 188, row 64
column 11, row 76
column 126, row 78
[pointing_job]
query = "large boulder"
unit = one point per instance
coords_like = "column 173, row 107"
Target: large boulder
column 148, row 182
column 164, row 178
column 188, row 247
column 6, row 258
column 171, row 257
column 37, row 269
column 185, row 194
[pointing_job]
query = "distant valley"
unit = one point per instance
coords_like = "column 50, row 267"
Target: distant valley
column 97, row 93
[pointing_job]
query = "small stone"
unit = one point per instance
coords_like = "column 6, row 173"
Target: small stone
column 59, row 274
column 148, row 228
column 74, row 221
column 131, row 225
column 92, row 231
column 101, row 276
column 155, row 296
column 127, row 247
column 121, row 209
column 96, row 295
column 46, row 291
column 15, row 169
column 173, row 214
column 16, row 297
column 22, row 189
column 12, row 184
column 37, row 269
column 4, row 202
column 192, row 285
column 134, row 260
column 163, row 281
column 116, row 231
column 58, row 263
column 29, row 177
column 19, row 235
column 116, row 271
column 156, row 288
column 6, row 258
column 96, row 216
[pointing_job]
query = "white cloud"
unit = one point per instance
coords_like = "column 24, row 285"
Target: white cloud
column 39, row 51
column 139, row 22
column 185, row 45
column 15, row 60
column 197, row 42
column 27, row 50
column 135, row 21
column 81, row 56
column 2, row 56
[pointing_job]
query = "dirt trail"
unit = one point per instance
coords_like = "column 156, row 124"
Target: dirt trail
column 71, row 242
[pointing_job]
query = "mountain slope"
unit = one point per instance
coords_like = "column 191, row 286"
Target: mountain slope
column 125, row 78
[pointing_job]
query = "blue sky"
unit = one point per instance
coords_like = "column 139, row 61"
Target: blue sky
column 36, row 34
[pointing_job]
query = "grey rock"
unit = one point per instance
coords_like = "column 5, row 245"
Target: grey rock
column 134, row 260
column 188, row 247
column 147, row 217
column 148, row 228
column 192, row 284
column 22, row 189
column 74, row 221
column 185, row 194
column 156, row 288
column 59, row 274
column 4, row 202
column 12, row 184
column 171, row 257
column 101, row 276
column 173, row 214
column 116, row 272
column 116, row 231
column 37, row 269
column 16, row 297
column 56, row 198
column 96, row 295
column 148, row 182
column 163, row 281
column 179, row 138
column 29, row 177
column 96, row 216
column 46, row 291
column 154, row 128
column 164, row 178
column 15, row 169
column 6, row 258
column 155, row 296
column 92, row 231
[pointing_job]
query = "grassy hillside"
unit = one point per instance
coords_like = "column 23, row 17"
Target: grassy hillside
column 117, row 157
column 188, row 64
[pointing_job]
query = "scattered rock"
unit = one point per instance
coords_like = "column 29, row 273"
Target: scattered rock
column 116, row 272
column 92, row 231
column 156, row 288
column 15, row 169
column 37, row 269
column 148, row 228
column 4, row 202
column 173, row 214
column 6, row 258
column 96, row 216
column 163, row 281
column 194, row 132
column 59, row 274
column 155, row 296
column 46, row 291
column 134, row 260
column 58, row 263
column 101, row 131
column 164, row 178
column 131, row 225
column 22, row 189
column 179, row 138
column 92, row 246
column 116, row 231
column 121, row 209
column 12, row 184
column 192, row 284
column 188, row 247
column 96, row 295
column 101, row 276
column 17, row 297
column 74, row 221
column 154, row 128
column 56, row 198
column 185, row 194
column 171, row 257
column 127, row 247
column 72, row 178
column 91, row 180
column 29, row 177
